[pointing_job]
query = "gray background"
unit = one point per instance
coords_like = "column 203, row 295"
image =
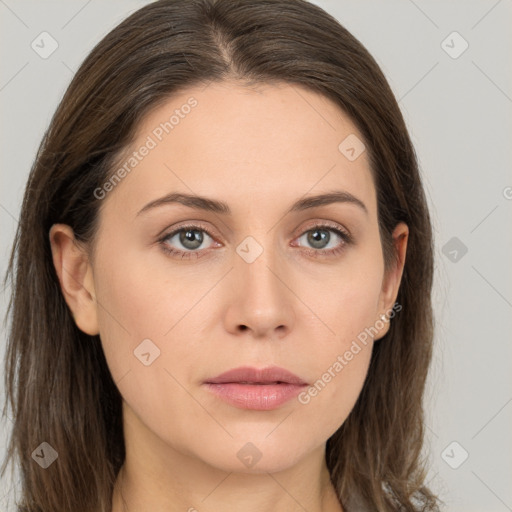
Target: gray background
column 458, row 111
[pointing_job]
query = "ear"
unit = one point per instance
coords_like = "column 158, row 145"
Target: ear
column 75, row 277
column 393, row 277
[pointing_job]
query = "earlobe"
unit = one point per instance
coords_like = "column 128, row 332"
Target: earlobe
column 75, row 277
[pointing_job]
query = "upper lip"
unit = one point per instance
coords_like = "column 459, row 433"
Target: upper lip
column 249, row 375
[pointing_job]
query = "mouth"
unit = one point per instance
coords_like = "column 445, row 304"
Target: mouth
column 256, row 389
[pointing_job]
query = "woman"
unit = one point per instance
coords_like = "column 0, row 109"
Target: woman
column 222, row 274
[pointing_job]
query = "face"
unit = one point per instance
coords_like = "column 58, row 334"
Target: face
column 181, row 293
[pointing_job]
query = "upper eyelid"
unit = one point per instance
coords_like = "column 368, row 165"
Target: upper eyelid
column 325, row 224
column 191, row 225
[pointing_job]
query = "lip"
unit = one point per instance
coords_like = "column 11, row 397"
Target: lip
column 257, row 389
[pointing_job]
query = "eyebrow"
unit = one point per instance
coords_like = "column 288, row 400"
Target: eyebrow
column 220, row 207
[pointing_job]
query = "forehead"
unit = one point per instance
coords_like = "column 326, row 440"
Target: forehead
column 266, row 143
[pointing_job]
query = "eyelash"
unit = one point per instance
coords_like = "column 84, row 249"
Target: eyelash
column 315, row 253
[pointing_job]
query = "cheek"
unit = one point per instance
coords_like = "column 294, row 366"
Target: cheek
column 331, row 397
column 347, row 303
column 346, row 297
column 152, row 319
column 339, row 363
column 150, row 334
column 137, row 303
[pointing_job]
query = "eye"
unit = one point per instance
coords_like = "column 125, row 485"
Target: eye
column 319, row 237
column 190, row 237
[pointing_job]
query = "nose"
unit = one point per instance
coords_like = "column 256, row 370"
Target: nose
column 261, row 301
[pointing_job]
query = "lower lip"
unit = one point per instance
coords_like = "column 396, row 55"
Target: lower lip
column 258, row 397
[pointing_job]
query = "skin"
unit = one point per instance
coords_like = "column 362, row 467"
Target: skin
column 259, row 150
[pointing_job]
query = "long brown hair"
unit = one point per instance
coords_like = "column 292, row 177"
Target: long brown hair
column 58, row 383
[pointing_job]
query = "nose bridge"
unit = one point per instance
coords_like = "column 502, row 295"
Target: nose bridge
column 262, row 298
column 257, row 261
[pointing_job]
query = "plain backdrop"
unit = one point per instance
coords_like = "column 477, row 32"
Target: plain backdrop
column 449, row 66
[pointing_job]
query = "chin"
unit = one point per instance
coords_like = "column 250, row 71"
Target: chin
column 253, row 457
